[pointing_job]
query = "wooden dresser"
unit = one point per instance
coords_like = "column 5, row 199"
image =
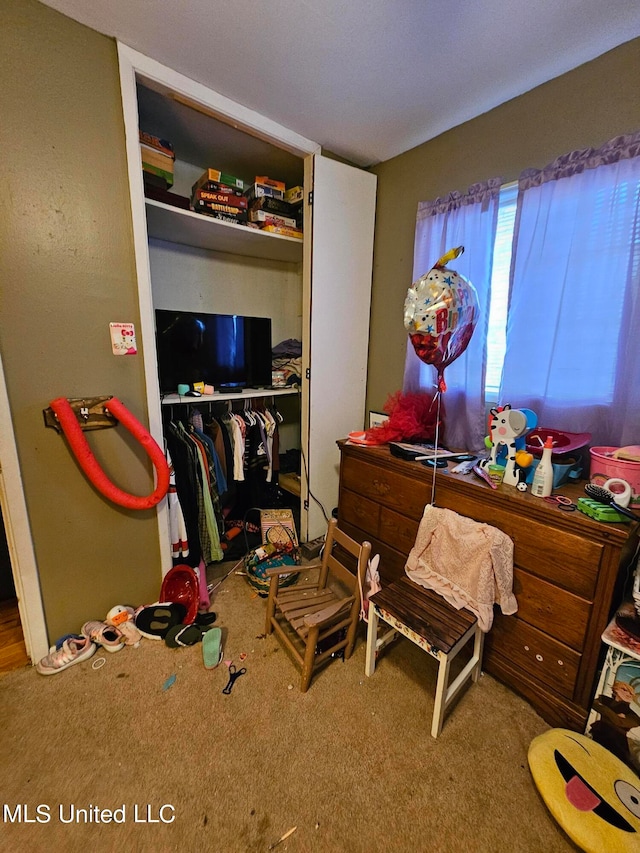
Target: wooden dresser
column 565, row 576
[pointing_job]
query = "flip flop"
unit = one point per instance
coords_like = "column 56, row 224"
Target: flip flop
column 204, row 619
column 185, row 635
column 154, row 620
column 212, row 648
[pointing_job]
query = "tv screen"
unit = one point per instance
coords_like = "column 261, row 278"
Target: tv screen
column 224, row 350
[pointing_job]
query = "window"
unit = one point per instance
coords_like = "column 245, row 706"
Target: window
column 612, row 207
column 497, row 327
column 555, row 260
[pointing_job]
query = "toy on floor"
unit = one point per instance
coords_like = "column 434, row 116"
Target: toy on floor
column 593, row 795
column 122, row 617
column 181, row 586
column 372, row 585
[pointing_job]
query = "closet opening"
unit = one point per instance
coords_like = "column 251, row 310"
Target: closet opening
column 227, row 459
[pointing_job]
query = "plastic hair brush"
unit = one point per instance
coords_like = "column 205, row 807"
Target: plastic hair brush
column 604, row 496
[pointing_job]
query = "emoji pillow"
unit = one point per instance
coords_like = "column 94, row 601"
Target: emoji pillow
column 593, row 795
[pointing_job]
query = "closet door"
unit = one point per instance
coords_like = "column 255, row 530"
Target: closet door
column 337, row 305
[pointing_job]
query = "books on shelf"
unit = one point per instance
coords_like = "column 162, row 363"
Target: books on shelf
column 154, row 181
column 283, row 230
column 220, row 178
column 275, row 205
column 218, row 187
column 161, row 194
column 265, row 181
column 266, row 217
column 158, row 171
column 226, row 212
column 294, row 195
column 217, row 197
column 157, row 157
column 254, row 191
column 162, row 145
column 221, row 196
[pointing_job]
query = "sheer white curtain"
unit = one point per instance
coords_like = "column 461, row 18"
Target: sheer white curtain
column 460, row 219
column 573, row 331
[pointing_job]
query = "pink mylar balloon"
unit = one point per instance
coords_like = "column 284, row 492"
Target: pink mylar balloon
column 440, row 314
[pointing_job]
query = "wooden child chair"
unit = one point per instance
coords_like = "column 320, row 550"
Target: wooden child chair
column 315, row 619
column 425, row 618
column 451, row 552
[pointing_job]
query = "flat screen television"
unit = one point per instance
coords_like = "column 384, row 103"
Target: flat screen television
column 227, row 351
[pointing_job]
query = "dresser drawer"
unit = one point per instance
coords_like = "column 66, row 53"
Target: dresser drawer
column 363, row 513
column 565, row 571
column 557, row 555
column 544, row 659
column 553, row 610
column 398, row 492
column 397, row 530
column 392, row 562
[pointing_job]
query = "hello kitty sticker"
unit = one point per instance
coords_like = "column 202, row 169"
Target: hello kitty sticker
column 123, row 339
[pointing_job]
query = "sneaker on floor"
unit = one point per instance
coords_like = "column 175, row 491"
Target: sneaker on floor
column 58, row 643
column 107, row 636
column 154, row 620
column 72, row 651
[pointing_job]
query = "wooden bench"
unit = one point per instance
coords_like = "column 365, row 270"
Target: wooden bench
column 425, row 618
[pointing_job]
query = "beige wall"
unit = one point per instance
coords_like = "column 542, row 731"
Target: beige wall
column 585, row 107
column 66, row 271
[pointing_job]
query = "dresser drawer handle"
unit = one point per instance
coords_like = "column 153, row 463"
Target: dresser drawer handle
column 381, row 487
column 539, row 657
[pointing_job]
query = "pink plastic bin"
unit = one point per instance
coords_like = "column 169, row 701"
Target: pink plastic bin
column 604, row 466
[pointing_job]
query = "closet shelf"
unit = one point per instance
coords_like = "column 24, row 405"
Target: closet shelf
column 248, row 394
column 175, row 225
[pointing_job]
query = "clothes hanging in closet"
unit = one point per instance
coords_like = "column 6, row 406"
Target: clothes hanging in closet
column 220, row 462
column 196, row 488
column 177, row 526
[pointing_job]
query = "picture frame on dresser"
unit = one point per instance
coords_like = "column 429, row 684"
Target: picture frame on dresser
column 377, row 419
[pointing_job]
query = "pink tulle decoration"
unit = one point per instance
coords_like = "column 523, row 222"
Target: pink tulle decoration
column 412, row 417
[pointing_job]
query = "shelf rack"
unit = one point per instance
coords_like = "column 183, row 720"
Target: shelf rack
column 221, row 396
column 176, row 225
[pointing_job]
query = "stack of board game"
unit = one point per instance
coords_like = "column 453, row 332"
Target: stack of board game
column 158, row 158
column 269, row 210
column 261, row 205
column 221, row 196
column 295, row 196
column 165, row 196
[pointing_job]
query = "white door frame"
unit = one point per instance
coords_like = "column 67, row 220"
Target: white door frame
column 19, row 541
column 134, row 65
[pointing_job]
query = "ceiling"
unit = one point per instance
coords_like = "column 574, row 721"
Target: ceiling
column 366, row 79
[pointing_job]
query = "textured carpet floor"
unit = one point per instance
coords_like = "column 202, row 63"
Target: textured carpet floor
column 351, row 763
